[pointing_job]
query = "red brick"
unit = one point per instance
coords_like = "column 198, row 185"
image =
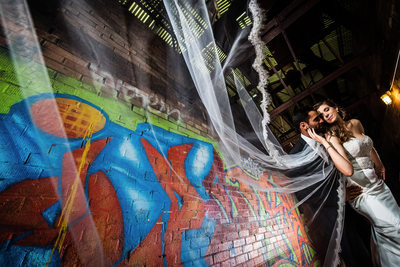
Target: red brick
column 236, row 251
column 3, row 41
column 89, row 80
column 259, row 237
column 54, row 56
column 15, row 27
column 238, row 243
column 240, row 259
column 262, row 230
column 88, row 20
column 253, row 254
column 124, row 53
column 228, row 263
column 259, row 261
column 244, row 233
column 257, row 245
column 83, row 69
column 215, row 248
column 64, row 53
column 62, row 69
column 209, row 260
column 221, row 256
column 192, row 205
column 247, row 248
column 122, row 43
column 250, row 240
column 96, row 19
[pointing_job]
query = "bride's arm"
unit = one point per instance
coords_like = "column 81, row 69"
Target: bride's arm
column 379, row 168
column 336, row 152
column 339, row 158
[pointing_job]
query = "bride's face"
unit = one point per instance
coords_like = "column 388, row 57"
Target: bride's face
column 329, row 114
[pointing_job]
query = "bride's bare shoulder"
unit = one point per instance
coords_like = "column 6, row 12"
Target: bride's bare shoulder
column 355, row 125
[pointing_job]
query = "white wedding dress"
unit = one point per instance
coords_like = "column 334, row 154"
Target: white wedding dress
column 376, row 203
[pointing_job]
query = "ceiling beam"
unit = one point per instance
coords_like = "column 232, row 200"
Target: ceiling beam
column 279, row 76
column 332, row 50
column 317, row 86
column 294, row 56
column 277, row 25
column 290, row 140
column 275, row 21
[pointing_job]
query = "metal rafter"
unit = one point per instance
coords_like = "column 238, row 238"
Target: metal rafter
column 276, row 30
column 317, row 86
column 279, row 76
column 284, row 19
column 290, row 140
column 293, row 55
column 332, row 50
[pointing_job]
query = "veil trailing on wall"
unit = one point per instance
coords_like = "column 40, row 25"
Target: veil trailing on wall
column 323, row 184
column 315, row 181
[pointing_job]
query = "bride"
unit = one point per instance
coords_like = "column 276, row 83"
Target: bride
column 376, row 202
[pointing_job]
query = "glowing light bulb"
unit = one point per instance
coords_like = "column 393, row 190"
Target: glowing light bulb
column 386, row 98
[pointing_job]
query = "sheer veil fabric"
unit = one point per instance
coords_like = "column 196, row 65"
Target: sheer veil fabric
column 322, row 182
column 314, row 180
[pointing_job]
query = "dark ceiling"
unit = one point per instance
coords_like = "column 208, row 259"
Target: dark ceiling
column 342, row 50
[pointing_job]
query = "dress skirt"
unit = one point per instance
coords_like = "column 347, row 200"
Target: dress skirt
column 380, row 207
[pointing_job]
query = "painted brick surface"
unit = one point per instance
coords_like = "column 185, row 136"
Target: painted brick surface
column 132, row 180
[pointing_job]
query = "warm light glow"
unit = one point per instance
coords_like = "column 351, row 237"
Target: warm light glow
column 386, row 98
column 395, row 95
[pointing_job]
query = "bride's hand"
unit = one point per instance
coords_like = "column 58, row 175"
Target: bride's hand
column 315, row 136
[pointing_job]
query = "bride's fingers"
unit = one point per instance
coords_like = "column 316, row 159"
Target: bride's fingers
column 311, row 133
column 314, row 133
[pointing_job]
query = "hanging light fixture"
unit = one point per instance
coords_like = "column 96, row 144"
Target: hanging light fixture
column 387, row 96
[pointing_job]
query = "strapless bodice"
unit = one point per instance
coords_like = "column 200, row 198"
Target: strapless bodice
column 358, row 151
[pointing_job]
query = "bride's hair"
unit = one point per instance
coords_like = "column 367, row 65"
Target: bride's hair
column 336, row 129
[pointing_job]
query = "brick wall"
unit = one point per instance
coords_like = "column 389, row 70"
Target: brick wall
column 135, row 178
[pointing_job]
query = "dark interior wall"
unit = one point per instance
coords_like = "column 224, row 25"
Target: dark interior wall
column 386, row 127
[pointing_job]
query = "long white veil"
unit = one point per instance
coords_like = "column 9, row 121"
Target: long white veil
column 317, row 184
column 211, row 87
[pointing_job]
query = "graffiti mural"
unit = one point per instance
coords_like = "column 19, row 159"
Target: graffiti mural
column 77, row 188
